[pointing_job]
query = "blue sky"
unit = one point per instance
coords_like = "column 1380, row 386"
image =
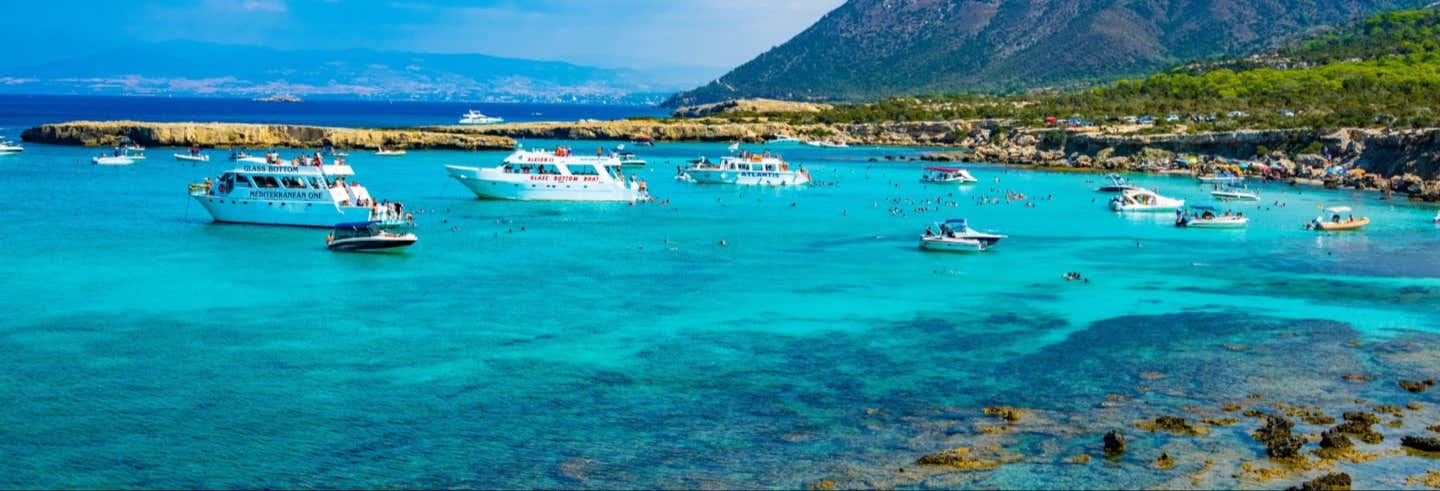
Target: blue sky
column 713, row 33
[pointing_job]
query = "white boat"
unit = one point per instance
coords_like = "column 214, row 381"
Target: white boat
column 960, row 228
column 957, row 236
column 558, row 175
column 112, row 160
column 121, row 156
column 947, row 175
column 1144, row 200
column 193, row 156
column 832, row 143
column 1437, row 218
column 382, row 152
column 628, row 159
column 367, row 236
column 780, row 139
column 303, row 196
column 8, row 147
column 750, row 169
column 131, row 149
column 1117, row 184
column 1236, row 194
column 476, row 117
column 1208, row 217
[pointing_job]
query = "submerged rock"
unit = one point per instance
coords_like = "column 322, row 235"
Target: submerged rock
column 1278, row 440
column 1334, row 439
column 1422, row 443
column 1164, row 461
column 1174, row 424
column 1007, row 413
column 1417, row 386
column 1334, row 481
column 1114, row 443
column 1359, row 424
column 968, row 459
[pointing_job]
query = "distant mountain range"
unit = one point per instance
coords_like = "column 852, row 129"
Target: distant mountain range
column 202, row 69
column 868, row 49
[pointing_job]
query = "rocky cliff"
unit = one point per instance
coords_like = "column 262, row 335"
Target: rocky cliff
column 109, row 133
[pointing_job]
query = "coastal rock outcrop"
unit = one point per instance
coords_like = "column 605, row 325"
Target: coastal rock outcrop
column 110, row 133
column 1114, row 443
column 1334, row 481
column 1421, row 443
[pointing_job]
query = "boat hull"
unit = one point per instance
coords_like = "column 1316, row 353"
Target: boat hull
column 112, row 161
column 526, row 190
column 357, row 244
column 279, row 212
column 1146, row 208
column 749, row 178
column 1203, row 223
column 940, row 244
column 1355, row 224
column 1224, row 196
column 192, row 158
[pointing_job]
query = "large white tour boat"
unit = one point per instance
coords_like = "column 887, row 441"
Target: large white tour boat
column 754, row 169
column 557, row 175
column 296, row 195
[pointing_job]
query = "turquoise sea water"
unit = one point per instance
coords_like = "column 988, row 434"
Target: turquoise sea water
column 611, row 345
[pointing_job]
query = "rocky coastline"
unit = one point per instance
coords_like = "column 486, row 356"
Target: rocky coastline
column 1404, row 162
column 238, row 135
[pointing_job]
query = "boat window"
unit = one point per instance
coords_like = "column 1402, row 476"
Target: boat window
column 242, row 181
column 292, row 182
column 584, row 170
column 548, row 169
column 265, row 182
column 770, row 167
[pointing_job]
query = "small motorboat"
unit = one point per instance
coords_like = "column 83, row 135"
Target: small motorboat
column 1208, row 217
column 627, row 159
column 1144, row 200
column 1336, row 222
column 193, row 156
column 781, row 139
column 1437, row 218
column 956, row 235
column 831, row 143
column 8, row 147
column 947, row 175
column 366, row 236
column 1235, row 193
column 112, row 160
column 1117, row 184
column 383, row 152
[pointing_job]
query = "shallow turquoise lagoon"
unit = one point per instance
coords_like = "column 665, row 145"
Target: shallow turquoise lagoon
column 611, row 345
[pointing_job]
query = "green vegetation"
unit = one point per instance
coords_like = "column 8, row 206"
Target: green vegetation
column 1383, row 71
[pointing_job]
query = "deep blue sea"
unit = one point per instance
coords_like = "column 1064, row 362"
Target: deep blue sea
column 565, row 345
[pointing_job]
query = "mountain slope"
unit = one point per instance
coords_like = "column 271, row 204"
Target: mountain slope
column 186, row 68
column 874, row 48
